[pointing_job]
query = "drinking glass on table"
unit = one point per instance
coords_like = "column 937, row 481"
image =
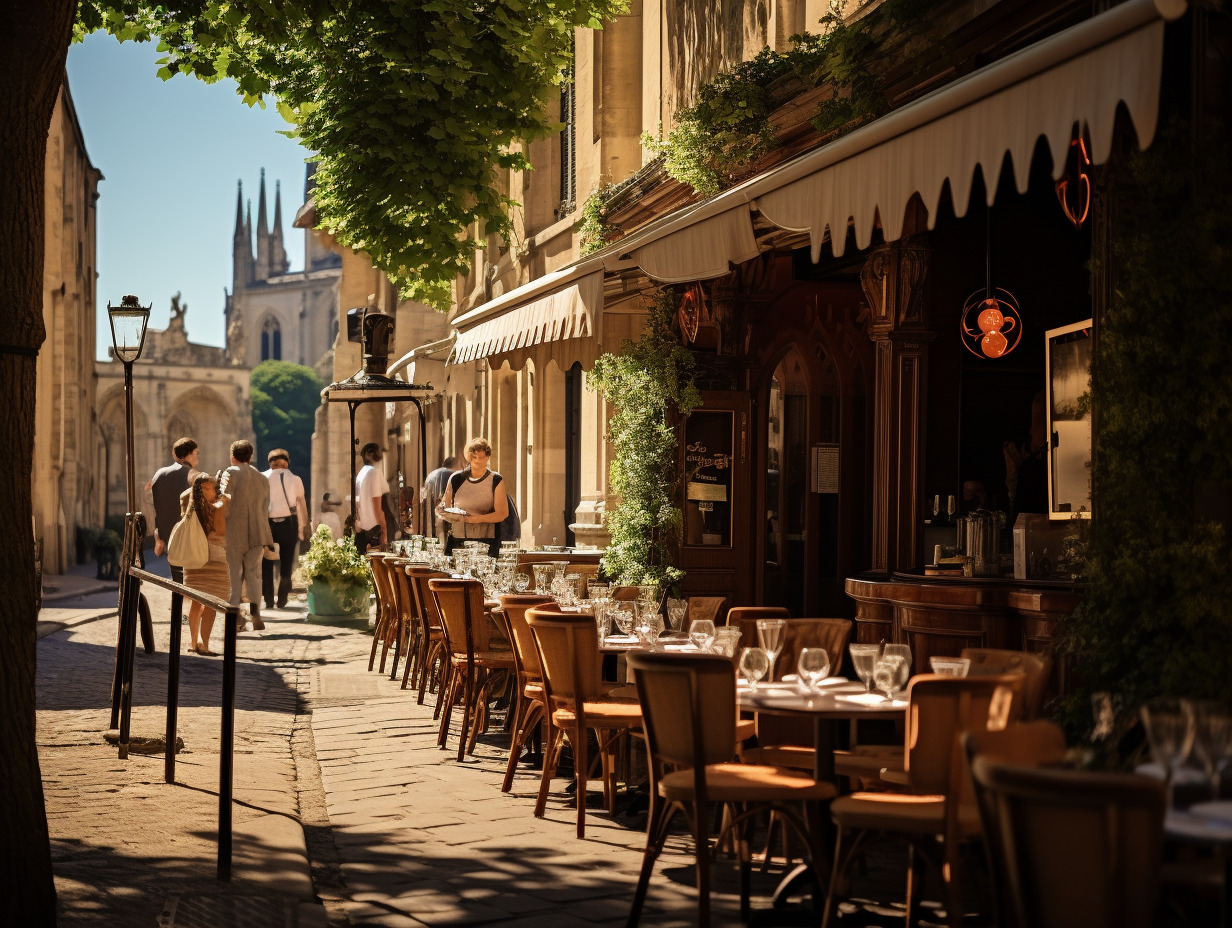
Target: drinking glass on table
column 624, row 620
column 890, row 673
column 864, row 659
column 543, row 576
column 701, row 633
column 676, row 610
column 949, row 666
column 726, row 640
column 770, row 635
column 753, row 665
column 813, row 666
column 1170, row 730
column 1212, row 741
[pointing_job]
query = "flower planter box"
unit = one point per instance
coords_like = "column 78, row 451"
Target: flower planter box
column 332, row 605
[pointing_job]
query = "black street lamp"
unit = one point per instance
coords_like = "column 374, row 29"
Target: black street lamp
column 128, row 326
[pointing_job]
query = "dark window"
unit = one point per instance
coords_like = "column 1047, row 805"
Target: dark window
column 568, row 146
column 271, row 340
column 573, row 447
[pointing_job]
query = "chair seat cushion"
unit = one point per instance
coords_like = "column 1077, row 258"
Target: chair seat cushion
column 793, row 756
column 867, row 763
column 745, row 729
column 745, row 783
column 533, row 690
column 899, row 812
column 490, row 659
column 602, row 713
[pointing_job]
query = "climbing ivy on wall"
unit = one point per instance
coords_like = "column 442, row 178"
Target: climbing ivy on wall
column 649, row 389
column 1157, row 617
column 718, row 139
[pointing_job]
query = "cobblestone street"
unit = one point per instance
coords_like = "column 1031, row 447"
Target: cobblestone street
column 346, row 811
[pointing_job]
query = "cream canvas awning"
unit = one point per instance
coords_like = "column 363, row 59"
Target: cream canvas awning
column 532, row 315
column 1076, row 78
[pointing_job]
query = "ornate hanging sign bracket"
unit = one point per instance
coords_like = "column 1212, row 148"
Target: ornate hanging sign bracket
column 1074, row 187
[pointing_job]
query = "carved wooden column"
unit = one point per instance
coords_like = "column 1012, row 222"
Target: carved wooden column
column 895, row 281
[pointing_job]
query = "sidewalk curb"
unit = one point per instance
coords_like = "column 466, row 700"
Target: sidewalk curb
column 46, row 627
column 60, row 596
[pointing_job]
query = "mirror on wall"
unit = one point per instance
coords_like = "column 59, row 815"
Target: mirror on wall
column 1068, row 372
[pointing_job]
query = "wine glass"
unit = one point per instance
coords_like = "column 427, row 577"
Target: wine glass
column 624, row 620
column 949, row 666
column 770, row 635
column 754, row 665
column 1212, row 741
column 951, row 507
column 521, row 583
column 1169, row 727
column 701, row 633
column 813, row 666
column 864, row 659
column 890, row 674
column 543, row 575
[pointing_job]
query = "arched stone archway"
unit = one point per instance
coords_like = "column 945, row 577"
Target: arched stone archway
column 205, row 416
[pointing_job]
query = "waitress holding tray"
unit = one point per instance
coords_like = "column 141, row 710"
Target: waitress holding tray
column 472, row 503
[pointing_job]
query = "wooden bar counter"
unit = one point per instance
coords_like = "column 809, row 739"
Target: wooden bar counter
column 940, row 615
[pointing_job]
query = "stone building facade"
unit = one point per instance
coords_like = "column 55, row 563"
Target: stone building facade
column 64, row 485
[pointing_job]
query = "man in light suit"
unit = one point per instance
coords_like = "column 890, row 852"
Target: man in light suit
column 248, row 528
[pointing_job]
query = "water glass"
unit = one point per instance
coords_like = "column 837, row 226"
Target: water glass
column 864, row 659
column 950, row 666
column 701, row 633
column 675, row 616
column 623, row 619
column 770, row 635
column 726, row 641
column 891, row 673
column 1212, row 741
column 543, row 575
column 754, row 664
column 813, row 666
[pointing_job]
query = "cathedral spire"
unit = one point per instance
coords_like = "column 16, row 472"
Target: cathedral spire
column 241, row 243
column 278, row 257
column 265, row 268
column 239, row 208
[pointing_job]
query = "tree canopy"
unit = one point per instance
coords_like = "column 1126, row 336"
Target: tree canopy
column 284, row 399
column 410, row 105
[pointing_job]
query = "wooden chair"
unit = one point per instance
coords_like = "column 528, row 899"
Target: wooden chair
column 939, row 710
column 689, row 706
column 383, row 631
column 705, row 607
column 434, row 658
column 1034, row 744
column 410, row 631
column 745, row 618
column 528, row 711
column 474, row 662
column 587, row 572
column 1036, row 669
column 568, row 648
column 402, row 612
column 1076, row 849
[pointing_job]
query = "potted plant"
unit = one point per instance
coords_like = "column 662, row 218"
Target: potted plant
column 338, row 577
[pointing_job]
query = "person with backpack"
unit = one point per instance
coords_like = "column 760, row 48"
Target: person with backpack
column 475, row 503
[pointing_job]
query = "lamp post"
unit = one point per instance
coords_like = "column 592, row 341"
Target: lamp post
column 128, row 326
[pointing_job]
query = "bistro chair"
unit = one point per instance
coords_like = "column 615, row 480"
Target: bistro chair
column 434, row 657
column 1035, row 744
column 704, row 607
column 939, row 710
column 475, row 661
column 1036, row 669
column 689, row 706
column 1075, row 849
column 383, row 631
column 531, row 701
column 745, row 618
column 568, row 648
column 395, row 574
column 410, row 627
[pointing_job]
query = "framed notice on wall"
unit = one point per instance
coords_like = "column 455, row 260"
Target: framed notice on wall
column 1069, row 420
column 709, row 442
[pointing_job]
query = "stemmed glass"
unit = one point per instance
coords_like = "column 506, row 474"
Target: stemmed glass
column 770, row 635
column 891, row 673
column 813, row 666
column 864, row 659
column 1170, row 728
column 753, row 665
column 1212, row 741
column 543, row 575
column 701, row 633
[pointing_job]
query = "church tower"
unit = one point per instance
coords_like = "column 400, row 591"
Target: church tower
column 264, row 269
column 279, row 264
column 241, row 244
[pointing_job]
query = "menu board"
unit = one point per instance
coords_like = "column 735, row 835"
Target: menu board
column 709, row 441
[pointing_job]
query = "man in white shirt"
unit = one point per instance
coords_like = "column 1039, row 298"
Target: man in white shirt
column 370, row 486
column 287, row 506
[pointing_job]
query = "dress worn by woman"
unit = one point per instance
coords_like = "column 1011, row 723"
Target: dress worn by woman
column 213, row 578
column 477, row 497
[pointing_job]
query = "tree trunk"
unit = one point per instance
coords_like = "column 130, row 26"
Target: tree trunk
column 33, row 45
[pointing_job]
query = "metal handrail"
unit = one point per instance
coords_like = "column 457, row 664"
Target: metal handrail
column 226, row 765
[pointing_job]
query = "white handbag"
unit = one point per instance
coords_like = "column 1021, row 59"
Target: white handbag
column 188, row 546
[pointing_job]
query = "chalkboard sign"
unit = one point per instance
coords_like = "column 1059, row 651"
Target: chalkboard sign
column 709, row 442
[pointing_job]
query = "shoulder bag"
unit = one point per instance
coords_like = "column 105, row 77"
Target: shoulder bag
column 188, row 546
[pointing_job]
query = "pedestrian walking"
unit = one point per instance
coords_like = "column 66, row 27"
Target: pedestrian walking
column 433, row 489
column 248, row 528
column 370, row 486
column 213, row 577
column 288, row 522
column 166, row 487
column 475, row 503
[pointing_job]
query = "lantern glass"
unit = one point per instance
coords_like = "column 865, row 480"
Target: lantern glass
column 128, row 325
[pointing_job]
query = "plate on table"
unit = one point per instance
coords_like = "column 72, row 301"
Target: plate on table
column 620, row 641
column 678, row 646
column 453, row 513
column 1220, row 811
column 873, row 700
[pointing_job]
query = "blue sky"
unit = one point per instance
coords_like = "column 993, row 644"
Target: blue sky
column 171, row 152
